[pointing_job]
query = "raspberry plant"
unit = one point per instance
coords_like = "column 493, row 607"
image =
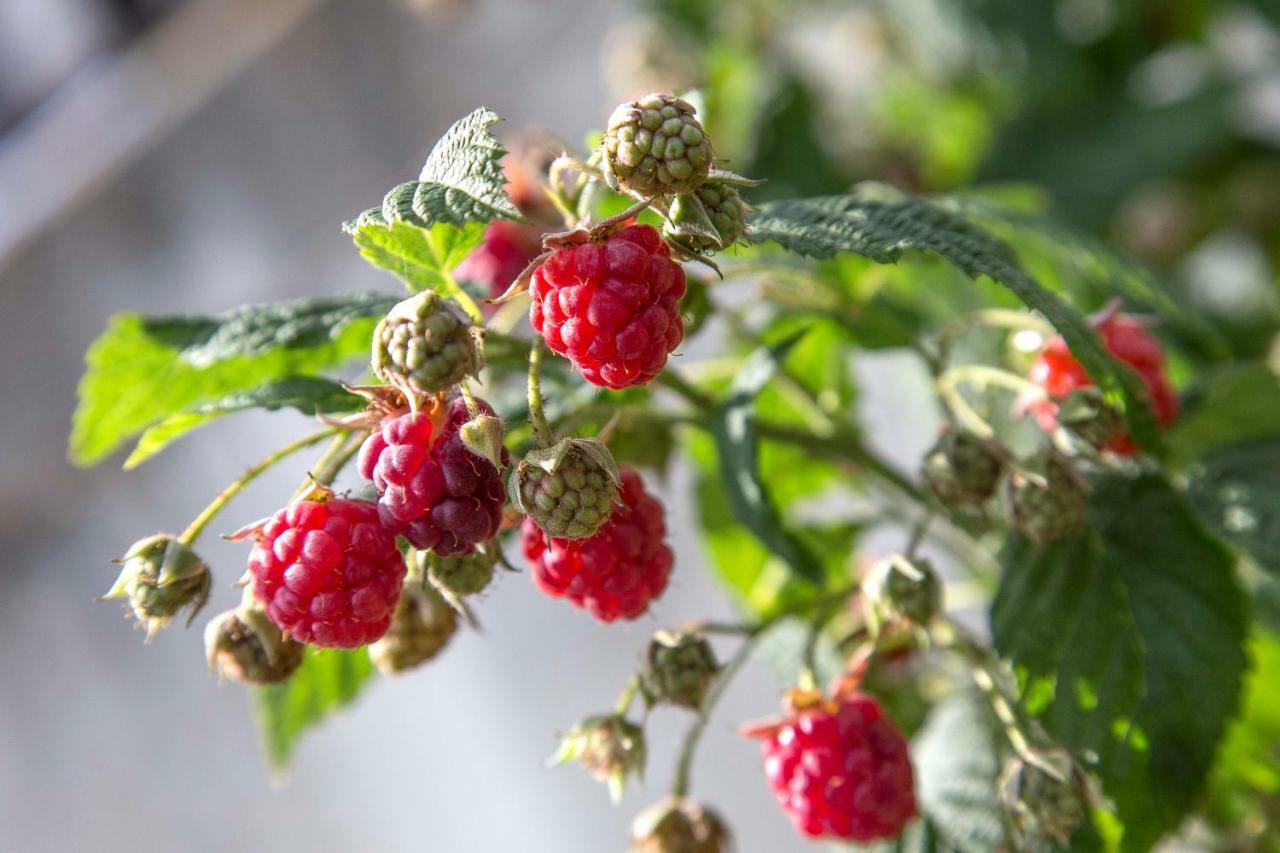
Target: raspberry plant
column 1122, row 528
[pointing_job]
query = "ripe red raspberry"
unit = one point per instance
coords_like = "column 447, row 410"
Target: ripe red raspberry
column 327, row 571
column 1125, row 337
column 611, row 308
column 433, row 490
column 615, row 573
column 841, row 769
column 507, row 248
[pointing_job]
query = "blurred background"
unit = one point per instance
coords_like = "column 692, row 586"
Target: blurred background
column 190, row 155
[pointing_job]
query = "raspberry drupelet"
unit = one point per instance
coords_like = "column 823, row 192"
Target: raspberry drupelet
column 1126, row 337
column 611, row 308
column 432, row 489
column 614, row 574
column 327, row 571
column 841, row 769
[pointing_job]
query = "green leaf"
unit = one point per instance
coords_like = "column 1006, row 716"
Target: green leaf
column 462, row 181
column 1236, row 490
column 881, row 224
column 327, row 680
column 957, row 761
column 733, row 428
column 308, row 394
column 420, row 257
column 1246, row 779
column 1232, row 405
column 143, row 370
column 1129, row 644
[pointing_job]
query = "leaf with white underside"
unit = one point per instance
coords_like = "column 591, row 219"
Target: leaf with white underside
column 880, row 224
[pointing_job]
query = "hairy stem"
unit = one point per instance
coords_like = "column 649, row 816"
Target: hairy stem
column 198, row 524
column 537, row 417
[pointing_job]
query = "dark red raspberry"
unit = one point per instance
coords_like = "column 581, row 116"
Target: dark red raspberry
column 615, row 573
column 841, row 769
column 507, row 248
column 1125, row 337
column 433, row 490
column 327, row 572
column 611, row 308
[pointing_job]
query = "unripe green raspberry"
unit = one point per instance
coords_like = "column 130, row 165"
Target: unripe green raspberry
column 1046, row 792
column 160, row 577
column 610, row 747
column 900, row 590
column 244, row 645
column 677, row 825
column 421, row 627
column 1085, row 413
column 568, row 489
column 655, row 146
column 1046, row 507
column 712, row 218
column 425, row 345
column 460, row 575
column 962, row 470
column 679, row 669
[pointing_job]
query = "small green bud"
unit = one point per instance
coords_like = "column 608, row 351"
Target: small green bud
column 244, row 645
column 160, row 577
column 609, row 746
column 1046, row 793
column 568, row 489
column 900, row 590
column 679, row 669
column 678, row 825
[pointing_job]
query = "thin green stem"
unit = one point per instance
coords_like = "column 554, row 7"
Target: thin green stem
column 949, row 382
column 198, row 524
column 326, row 469
column 628, row 695
column 537, row 417
column 460, row 295
column 689, row 748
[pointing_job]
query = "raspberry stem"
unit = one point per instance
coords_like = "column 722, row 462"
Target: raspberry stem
column 689, row 747
column 537, row 417
column 198, row 524
column 345, row 445
column 983, row 376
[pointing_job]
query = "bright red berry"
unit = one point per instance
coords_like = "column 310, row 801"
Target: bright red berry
column 507, row 248
column 841, row 769
column 615, row 573
column 611, row 308
column 432, row 489
column 1125, row 337
column 327, row 572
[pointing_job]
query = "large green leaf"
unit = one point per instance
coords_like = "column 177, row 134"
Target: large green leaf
column 1245, row 783
column 1236, row 490
column 733, row 428
column 425, row 228
column 462, row 179
column 327, row 680
column 143, row 370
column 1231, row 405
column 420, row 257
column 308, row 394
column 881, row 224
column 1129, row 644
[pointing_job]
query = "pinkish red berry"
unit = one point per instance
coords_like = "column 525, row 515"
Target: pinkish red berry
column 507, row 248
column 841, row 769
column 611, row 308
column 1125, row 337
column 615, row 573
column 433, row 490
column 327, row 571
